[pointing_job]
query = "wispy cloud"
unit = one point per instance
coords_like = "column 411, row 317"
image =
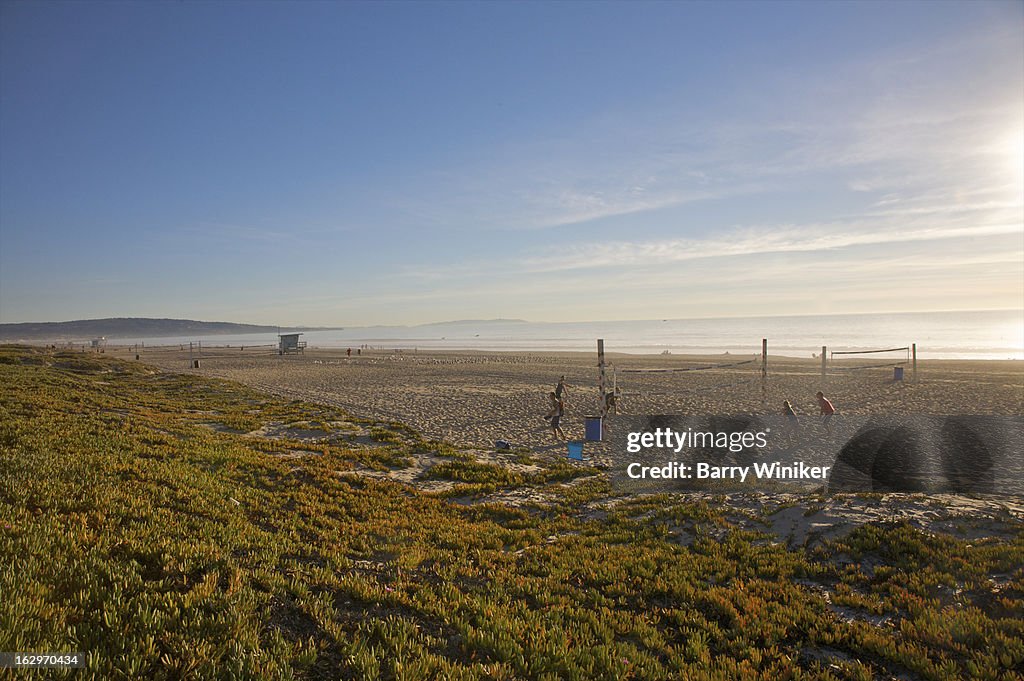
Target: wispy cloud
column 777, row 239
column 897, row 226
column 920, row 197
column 873, row 146
column 765, row 283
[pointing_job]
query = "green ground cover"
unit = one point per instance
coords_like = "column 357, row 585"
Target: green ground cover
column 141, row 526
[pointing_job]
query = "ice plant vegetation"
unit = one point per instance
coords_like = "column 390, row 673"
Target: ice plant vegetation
column 172, row 526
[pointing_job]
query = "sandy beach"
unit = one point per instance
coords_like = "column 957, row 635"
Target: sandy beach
column 475, row 398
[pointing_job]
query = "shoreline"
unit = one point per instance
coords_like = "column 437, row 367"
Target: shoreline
column 79, row 345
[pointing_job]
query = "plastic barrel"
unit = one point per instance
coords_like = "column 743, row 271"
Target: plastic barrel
column 593, row 428
column 575, row 450
column 897, row 373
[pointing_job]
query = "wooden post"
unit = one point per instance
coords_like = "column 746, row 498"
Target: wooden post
column 764, row 370
column 600, row 377
column 824, row 350
column 913, row 356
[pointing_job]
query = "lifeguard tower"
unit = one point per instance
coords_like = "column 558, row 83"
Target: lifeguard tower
column 289, row 343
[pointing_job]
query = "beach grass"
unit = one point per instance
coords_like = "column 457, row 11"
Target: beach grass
column 173, row 526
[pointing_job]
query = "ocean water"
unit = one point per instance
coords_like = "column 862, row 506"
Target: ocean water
column 938, row 335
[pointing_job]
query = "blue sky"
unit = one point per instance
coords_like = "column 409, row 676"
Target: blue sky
column 388, row 163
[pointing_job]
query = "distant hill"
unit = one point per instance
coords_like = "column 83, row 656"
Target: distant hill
column 474, row 322
column 127, row 327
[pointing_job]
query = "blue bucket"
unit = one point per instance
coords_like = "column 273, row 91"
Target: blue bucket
column 592, row 428
column 575, row 450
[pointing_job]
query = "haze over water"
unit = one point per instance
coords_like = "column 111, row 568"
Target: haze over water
column 997, row 334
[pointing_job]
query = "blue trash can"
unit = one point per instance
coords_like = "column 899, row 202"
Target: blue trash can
column 592, row 428
column 897, row 373
column 575, row 450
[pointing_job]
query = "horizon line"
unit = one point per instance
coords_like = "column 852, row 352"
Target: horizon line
column 311, row 327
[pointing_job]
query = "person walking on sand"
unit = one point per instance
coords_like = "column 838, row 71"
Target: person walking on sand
column 555, row 416
column 827, row 410
column 560, row 390
column 552, row 406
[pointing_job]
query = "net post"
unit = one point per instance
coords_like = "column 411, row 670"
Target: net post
column 600, row 378
column 913, row 357
column 764, row 370
column 824, row 350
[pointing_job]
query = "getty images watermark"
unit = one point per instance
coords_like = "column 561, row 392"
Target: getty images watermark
column 968, row 454
column 666, row 439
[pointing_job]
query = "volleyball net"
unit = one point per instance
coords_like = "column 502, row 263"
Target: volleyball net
column 701, row 367
column 866, row 359
column 747, row 382
column 660, row 385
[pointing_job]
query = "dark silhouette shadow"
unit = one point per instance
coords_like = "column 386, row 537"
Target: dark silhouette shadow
column 973, row 470
column 922, row 454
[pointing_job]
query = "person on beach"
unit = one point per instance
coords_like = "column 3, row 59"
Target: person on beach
column 555, row 416
column 611, row 403
column 827, row 410
column 552, row 406
column 560, row 390
column 789, row 412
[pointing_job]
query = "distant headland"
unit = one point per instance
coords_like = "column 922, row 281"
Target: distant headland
column 132, row 327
